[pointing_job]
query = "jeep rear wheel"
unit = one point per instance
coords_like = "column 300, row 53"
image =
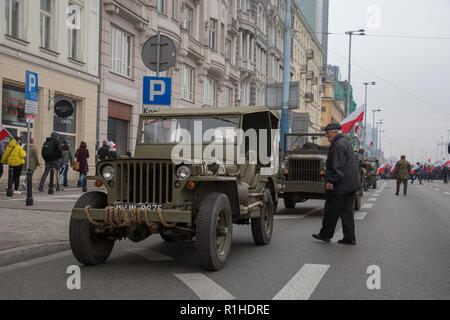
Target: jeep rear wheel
column 88, row 247
column 214, row 231
column 289, row 202
column 262, row 227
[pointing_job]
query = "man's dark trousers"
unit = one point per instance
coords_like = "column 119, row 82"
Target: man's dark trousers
column 336, row 206
column 48, row 166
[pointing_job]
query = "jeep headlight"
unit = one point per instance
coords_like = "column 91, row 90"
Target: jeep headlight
column 107, row 172
column 183, row 172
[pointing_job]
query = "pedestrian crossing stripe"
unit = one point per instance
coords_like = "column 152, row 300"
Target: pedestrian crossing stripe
column 367, row 206
column 204, row 287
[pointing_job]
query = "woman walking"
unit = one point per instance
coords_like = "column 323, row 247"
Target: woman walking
column 67, row 159
column 15, row 156
column 82, row 154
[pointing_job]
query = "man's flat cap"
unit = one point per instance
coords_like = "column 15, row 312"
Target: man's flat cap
column 333, row 126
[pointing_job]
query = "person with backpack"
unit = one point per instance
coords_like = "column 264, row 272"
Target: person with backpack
column 15, row 156
column 82, row 154
column 52, row 154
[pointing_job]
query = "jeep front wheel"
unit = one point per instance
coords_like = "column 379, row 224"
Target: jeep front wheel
column 214, row 231
column 262, row 226
column 89, row 247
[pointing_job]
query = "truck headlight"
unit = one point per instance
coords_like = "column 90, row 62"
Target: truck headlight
column 183, row 172
column 108, row 172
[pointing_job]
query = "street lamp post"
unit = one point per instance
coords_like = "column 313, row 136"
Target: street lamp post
column 359, row 32
column 364, row 138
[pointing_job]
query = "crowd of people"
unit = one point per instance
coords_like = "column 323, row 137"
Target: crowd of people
column 57, row 155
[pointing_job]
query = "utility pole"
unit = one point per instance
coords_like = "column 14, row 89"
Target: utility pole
column 364, row 137
column 286, row 75
column 359, row 32
column 373, row 126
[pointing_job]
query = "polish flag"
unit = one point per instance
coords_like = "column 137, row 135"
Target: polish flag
column 355, row 117
column 3, row 133
column 356, row 128
column 414, row 169
column 381, row 169
column 393, row 168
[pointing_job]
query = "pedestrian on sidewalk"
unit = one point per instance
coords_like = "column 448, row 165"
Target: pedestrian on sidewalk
column 82, row 154
column 103, row 152
column 15, row 156
column 402, row 172
column 421, row 172
column 52, row 154
column 342, row 182
column 66, row 161
column 2, row 152
column 33, row 161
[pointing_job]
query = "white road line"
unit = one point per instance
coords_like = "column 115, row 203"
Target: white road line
column 204, row 287
column 285, row 217
column 447, row 193
column 376, row 195
column 303, row 284
column 372, row 199
column 367, row 206
column 32, row 262
column 360, row 215
column 437, row 189
column 149, row 254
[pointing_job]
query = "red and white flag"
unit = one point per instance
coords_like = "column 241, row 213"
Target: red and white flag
column 354, row 117
column 393, row 168
column 381, row 169
column 3, row 133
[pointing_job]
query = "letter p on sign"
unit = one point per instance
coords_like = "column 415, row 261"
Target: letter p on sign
column 157, row 91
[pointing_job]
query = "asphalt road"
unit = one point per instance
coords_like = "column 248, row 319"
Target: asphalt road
column 407, row 238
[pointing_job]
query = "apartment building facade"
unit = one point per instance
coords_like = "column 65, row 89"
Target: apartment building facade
column 59, row 41
column 205, row 74
column 307, row 62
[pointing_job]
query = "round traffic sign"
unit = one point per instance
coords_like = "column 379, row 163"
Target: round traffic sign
column 168, row 53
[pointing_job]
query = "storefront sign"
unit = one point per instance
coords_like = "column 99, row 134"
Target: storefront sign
column 64, row 108
column 13, row 106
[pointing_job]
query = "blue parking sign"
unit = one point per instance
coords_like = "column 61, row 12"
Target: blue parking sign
column 157, row 91
column 32, row 87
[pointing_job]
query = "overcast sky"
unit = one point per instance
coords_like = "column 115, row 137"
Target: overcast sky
column 414, row 120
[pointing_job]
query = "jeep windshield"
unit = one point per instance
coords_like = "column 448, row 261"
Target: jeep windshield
column 302, row 142
column 170, row 130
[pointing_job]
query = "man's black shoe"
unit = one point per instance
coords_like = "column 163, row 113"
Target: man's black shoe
column 40, row 188
column 351, row 243
column 318, row 237
column 396, row 194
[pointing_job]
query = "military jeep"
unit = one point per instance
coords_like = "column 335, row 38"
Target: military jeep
column 192, row 199
column 303, row 169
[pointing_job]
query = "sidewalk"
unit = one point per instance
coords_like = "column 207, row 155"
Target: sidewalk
column 28, row 232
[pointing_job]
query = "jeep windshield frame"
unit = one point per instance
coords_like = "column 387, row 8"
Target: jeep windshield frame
column 306, row 138
column 164, row 130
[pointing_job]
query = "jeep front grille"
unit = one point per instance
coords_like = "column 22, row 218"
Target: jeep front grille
column 304, row 170
column 144, row 182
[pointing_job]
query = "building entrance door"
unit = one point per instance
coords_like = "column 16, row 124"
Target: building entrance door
column 118, row 133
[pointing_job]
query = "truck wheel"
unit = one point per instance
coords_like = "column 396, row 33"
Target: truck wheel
column 214, row 231
column 262, row 227
column 357, row 205
column 166, row 237
column 88, row 247
column 289, row 202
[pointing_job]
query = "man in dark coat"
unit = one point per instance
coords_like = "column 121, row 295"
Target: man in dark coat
column 103, row 152
column 52, row 154
column 342, row 182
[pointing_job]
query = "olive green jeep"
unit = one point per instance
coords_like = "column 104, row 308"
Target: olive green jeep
column 183, row 188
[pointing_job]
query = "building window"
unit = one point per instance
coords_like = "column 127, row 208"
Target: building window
column 75, row 36
column 14, row 18
column 228, row 97
column 188, row 16
column 261, row 19
column 187, row 85
column 161, row 6
column 243, row 5
column 66, row 127
column 47, row 19
column 210, row 92
column 213, row 34
column 13, row 106
column 120, row 54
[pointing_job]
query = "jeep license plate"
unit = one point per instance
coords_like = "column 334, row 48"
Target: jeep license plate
column 149, row 206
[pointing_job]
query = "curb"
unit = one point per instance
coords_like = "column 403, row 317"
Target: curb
column 33, row 251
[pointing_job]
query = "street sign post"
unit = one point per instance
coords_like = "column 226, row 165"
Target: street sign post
column 31, row 109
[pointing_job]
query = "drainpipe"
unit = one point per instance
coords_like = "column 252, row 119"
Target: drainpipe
column 100, row 38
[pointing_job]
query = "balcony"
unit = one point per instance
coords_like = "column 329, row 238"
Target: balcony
column 132, row 10
column 233, row 28
column 310, row 54
column 309, row 97
column 246, row 67
column 309, row 75
column 303, row 69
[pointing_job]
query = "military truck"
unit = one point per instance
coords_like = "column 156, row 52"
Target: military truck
column 373, row 176
column 303, row 169
column 194, row 199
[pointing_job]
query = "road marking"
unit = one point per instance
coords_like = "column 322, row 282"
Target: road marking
column 367, row 205
column 437, row 189
column 149, row 254
column 360, row 215
column 447, row 193
column 32, row 262
column 204, row 287
column 50, row 198
column 285, row 217
column 372, row 199
column 303, row 284
column 376, row 195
